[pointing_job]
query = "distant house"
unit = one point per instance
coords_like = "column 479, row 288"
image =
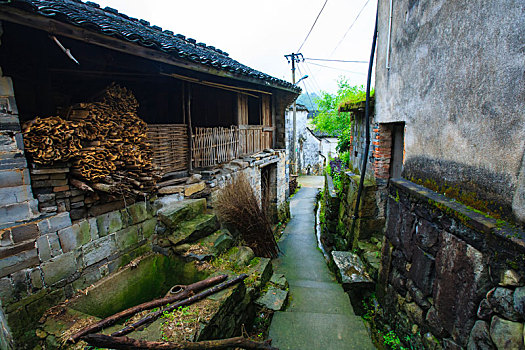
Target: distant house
column 312, row 150
column 209, row 118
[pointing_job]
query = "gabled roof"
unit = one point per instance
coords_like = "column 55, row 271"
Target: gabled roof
column 110, row 22
column 321, row 134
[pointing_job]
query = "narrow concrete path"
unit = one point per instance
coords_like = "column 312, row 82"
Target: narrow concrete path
column 319, row 314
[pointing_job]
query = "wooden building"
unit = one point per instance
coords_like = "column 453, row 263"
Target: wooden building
column 205, row 113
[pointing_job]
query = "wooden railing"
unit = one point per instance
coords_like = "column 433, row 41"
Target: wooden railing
column 212, row 146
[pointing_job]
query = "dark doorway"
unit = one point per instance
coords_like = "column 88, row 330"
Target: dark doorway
column 398, row 149
column 269, row 190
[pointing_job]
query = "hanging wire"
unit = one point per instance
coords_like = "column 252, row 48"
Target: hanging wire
column 313, row 25
column 342, row 70
column 329, row 60
column 306, row 88
column 351, row 25
column 311, row 74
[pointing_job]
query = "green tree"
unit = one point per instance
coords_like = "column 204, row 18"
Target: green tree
column 335, row 123
column 329, row 119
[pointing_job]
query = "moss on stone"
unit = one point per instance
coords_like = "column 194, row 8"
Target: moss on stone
column 149, row 278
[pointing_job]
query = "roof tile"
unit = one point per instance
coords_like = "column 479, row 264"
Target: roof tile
column 109, row 21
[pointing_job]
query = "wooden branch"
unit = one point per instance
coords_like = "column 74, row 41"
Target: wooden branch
column 80, row 185
column 186, row 292
column 125, row 343
column 154, row 315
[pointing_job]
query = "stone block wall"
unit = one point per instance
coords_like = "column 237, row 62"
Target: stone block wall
column 339, row 210
column 16, row 199
column 450, row 277
column 251, row 166
column 45, row 261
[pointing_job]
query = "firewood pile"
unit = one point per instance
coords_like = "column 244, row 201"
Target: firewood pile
column 105, row 141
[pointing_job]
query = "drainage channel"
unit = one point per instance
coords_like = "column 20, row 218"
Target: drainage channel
column 318, row 230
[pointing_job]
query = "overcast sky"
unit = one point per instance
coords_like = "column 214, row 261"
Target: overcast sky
column 259, row 33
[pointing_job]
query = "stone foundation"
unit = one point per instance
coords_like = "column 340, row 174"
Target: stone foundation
column 450, row 277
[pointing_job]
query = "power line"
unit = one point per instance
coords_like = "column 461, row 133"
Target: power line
column 329, row 60
column 307, row 93
column 315, row 83
column 351, row 25
column 313, row 25
column 342, row 70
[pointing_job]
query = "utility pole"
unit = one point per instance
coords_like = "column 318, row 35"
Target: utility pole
column 294, row 58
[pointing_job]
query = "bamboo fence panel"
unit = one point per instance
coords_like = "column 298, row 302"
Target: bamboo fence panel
column 169, row 143
column 212, row 146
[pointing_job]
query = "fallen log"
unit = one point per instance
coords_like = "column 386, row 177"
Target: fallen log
column 125, row 343
column 186, row 292
column 154, row 315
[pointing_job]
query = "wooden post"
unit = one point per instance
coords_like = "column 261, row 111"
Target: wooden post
column 190, row 131
column 183, row 103
column 274, row 124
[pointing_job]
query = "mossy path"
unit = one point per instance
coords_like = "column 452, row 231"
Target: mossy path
column 319, row 314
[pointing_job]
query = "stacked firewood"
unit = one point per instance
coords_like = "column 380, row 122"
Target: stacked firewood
column 105, row 140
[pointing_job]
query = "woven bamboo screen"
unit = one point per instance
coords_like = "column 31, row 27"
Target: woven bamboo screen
column 213, row 146
column 169, row 143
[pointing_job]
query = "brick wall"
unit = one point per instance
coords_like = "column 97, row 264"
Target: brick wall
column 381, row 150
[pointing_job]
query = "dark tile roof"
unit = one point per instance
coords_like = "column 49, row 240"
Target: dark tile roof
column 109, row 21
column 322, row 134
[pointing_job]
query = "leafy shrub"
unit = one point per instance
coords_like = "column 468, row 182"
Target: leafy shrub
column 345, row 140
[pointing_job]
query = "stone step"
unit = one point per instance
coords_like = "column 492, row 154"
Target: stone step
column 195, row 229
column 316, row 331
column 356, row 281
column 173, row 212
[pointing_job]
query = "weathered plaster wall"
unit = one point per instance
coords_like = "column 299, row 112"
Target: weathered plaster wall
column 328, row 147
column 308, row 146
column 456, row 79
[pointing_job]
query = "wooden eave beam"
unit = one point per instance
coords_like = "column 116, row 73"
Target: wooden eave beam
column 55, row 27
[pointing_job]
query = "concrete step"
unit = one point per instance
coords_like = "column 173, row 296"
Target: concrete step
column 318, row 331
column 319, row 300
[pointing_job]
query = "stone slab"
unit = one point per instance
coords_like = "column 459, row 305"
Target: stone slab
column 193, row 230
column 59, row 268
column 313, row 331
column 172, row 211
column 274, row 299
column 352, row 271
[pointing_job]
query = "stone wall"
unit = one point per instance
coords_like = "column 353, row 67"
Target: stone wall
column 458, row 87
column 49, row 259
column 251, row 167
column 450, row 277
column 339, row 205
